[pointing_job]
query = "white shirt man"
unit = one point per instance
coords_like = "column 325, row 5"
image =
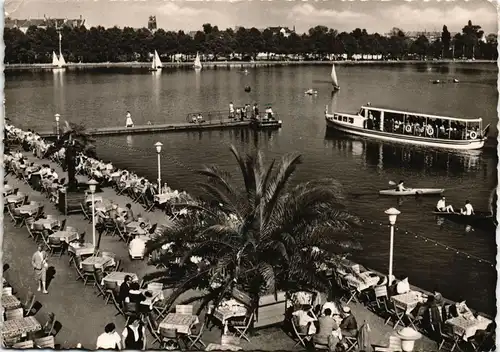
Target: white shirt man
column 109, row 339
column 129, row 122
column 469, row 210
column 136, row 247
column 231, row 109
column 304, row 319
column 441, row 205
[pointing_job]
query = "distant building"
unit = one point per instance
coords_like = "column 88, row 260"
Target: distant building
column 152, row 24
column 285, row 31
column 431, row 35
column 46, row 22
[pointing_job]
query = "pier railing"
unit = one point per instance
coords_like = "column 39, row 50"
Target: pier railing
column 222, row 115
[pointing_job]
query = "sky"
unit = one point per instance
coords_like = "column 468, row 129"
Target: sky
column 344, row 15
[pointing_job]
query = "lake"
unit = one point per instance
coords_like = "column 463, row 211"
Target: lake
column 101, row 98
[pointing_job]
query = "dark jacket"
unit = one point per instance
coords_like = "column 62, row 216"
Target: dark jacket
column 124, row 290
column 349, row 323
column 130, row 342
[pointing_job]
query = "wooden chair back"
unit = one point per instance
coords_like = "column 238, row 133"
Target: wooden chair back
column 13, row 314
column 24, row 345
column 45, row 342
column 184, row 309
column 155, row 286
column 168, row 333
column 88, row 268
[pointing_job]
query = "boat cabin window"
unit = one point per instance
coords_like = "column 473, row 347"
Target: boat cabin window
column 351, row 120
column 344, row 118
column 361, row 112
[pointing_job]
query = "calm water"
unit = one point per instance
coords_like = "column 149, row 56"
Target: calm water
column 364, row 167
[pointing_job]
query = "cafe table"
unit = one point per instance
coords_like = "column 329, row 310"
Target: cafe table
column 47, row 224
column 119, row 277
column 14, row 198
column 180, row 322
column 65, row 236
column 408, row 301
column 156, row 295
column 10, row 302
column 99, row 262
column 81, row 249
column 366, row 280
column 28, row 209
column 20, row 327
column 467, row 328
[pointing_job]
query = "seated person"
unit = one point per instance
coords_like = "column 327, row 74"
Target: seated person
column 460, row 309
column 125, row 288
column 129, row 217
column 137, row 247
column 400, row 186
column 305, row 317
column 134, row 294
column 326, row 325
column 485, row 339
column 441, row 206
column 349, row 325
column 332, row 306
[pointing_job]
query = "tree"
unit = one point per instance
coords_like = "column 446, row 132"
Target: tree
column 263, row 237
column 74, row 140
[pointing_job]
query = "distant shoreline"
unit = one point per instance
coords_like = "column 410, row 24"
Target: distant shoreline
column 230, row 64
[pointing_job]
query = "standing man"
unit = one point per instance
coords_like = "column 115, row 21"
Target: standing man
column 134, row 335
column 129, row 122
column 231, row 110
column 39, row 263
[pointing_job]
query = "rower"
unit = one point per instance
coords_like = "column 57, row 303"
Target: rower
column 400, row 186
column 468, row 209
column 441, row 206
column 129, row 122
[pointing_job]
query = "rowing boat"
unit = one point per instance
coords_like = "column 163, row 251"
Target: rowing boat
column 480, row 219
column 412, row 192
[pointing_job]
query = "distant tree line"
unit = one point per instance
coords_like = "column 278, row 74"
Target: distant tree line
column 99, row 44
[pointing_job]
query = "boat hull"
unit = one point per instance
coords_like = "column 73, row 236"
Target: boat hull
column 412, row 192
column 482, row 220
column 407, row 139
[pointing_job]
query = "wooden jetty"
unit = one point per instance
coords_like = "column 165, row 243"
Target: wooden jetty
column 177, row 127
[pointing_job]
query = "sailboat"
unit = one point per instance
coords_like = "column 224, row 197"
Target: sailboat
column 156, row 64
column 55, row 60
column 335, row 82
column 62, row 62
column 197, row 62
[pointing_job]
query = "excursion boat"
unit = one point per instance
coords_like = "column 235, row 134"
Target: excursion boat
column 480, row 219
column 411, row 127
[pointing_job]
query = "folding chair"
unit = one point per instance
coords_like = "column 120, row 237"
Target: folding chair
column 86, row 215
column 88, row 274
column 241, row 325
column 76, row 264
column 28, row 304
column 109, row 288
column 153, row 329
column 117, row 305
column 449, row 340
column 390, row 310
column 98, row 277
column 194, row 337
column 161, row 308
column 29, row 225
column 352, row 343
column 167, row 336
column 399, row 316
column 55, row 244
column 381, row 296
column 301, row 337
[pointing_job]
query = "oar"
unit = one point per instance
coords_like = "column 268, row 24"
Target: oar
column 392, row 183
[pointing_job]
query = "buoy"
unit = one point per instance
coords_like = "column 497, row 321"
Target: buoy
column 455, row 80
column 248, row 89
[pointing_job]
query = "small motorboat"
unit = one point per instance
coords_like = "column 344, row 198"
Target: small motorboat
column 480, row 219
column 311, row 92
column 412, row 192
column 436, row 81
column 455, row 80
column 248, row 89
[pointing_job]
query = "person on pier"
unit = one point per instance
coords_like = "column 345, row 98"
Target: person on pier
column 231, row 110
column 129, row 122
column 441, row 206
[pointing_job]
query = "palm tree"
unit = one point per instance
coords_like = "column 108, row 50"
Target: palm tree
column 264, row 237
column 74, row 140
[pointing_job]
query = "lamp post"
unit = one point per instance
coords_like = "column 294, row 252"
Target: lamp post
column 57, row 116
column 393, row 215
column 92, row 186
column 158, row 146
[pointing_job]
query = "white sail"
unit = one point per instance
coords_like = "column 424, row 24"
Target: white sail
column 62, row 62
column 153, row 63
column 157, row 60
column 197, row 62
column 334, row 76
column 55, row 60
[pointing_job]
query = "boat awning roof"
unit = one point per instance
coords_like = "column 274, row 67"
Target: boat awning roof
column 421, row 114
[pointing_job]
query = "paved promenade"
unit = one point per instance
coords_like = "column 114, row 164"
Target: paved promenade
column 83, row 315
